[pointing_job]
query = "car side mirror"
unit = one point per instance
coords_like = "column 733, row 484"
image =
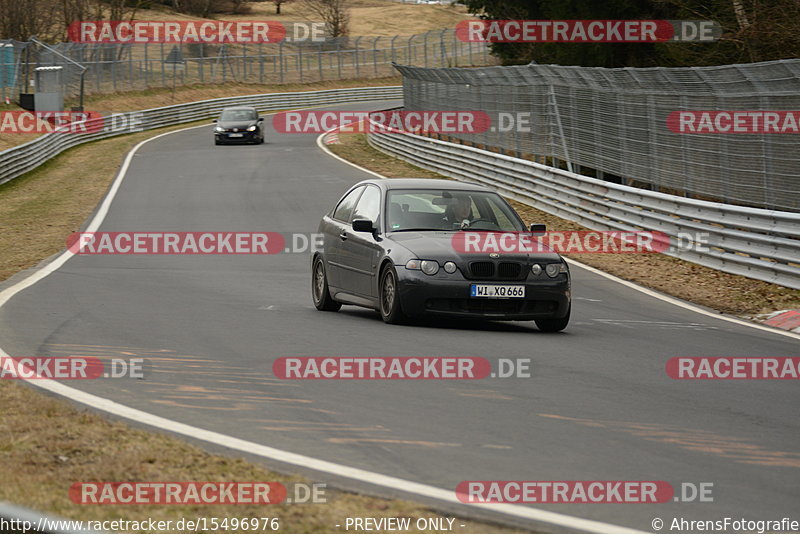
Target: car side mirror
column 213, row 120
column 363, row 225
column 538, row 228
column 261, row 119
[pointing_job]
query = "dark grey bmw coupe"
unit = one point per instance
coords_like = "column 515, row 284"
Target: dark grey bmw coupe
column 398, row 246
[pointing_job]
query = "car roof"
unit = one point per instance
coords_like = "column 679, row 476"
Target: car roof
column 424, row 183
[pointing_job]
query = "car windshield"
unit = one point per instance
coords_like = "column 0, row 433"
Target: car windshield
column 451, row 210
column 239, row 115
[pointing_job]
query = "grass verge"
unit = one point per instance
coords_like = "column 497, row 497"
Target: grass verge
column 367, row 17
column 727, row 293
column 48, row 445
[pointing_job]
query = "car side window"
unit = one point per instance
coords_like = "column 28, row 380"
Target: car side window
column 369, row 205
column 345, row 207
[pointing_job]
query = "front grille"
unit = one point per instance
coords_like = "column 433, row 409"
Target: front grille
column 481, row 269
column 504, row 270
column 508, row 270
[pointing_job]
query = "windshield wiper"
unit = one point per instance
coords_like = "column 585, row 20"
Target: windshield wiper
column 418, row 230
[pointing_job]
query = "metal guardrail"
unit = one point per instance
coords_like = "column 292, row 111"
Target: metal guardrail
column 756, row 243
column 14, row 519
column 18, row 160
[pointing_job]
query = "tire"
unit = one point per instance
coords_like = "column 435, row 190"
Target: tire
column 261, row 140
column 319, row 288
column 216, row 142
column 389, row 300
column 553, row 325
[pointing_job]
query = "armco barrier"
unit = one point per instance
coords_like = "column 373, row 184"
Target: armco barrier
column 757, row 243
column 18, row 160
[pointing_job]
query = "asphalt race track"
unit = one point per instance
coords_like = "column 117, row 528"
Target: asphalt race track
column 598, row 406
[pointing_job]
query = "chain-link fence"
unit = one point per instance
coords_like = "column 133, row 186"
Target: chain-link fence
column 613, row 123
column 125, row 67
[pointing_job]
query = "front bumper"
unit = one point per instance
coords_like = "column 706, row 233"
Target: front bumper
column 246, row 137
column 449, row 295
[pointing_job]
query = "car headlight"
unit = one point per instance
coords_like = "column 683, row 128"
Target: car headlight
column 450, row 267
column 429, row 267
column 554, row 269
column 252, row 128
column 536, row 269
column 219, row 129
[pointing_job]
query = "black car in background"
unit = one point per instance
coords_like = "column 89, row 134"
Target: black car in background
column 240, row 124
column 389, row 245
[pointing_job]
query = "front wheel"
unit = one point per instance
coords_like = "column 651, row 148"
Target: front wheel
column 553, row 325
column 319, row 288
column 390, row 309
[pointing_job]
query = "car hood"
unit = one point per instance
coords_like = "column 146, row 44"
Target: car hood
column 241, row 125
column 438, row 245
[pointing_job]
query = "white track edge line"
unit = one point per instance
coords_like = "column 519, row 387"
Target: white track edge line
column 672, row 300
column 120, row 410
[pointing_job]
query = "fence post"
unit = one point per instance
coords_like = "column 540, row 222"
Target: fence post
column 358, row 70
column 163, row 75
column 375, row 55
column 443, row 49
column 300, row 60
column 319, row 61
column 425, row 47
column 339, row 58
column 260, row 62
column 280, row 58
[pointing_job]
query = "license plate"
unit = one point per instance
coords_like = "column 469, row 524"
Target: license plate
column 497, row 291
column 235, row 135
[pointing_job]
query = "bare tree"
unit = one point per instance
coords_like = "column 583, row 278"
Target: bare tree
column 334, row 13
column 19, row 19
column 278, row 4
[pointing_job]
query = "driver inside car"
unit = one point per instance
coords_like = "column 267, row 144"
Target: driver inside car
column 460, row 212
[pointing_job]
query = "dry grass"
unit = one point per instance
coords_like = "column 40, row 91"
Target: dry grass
column 367, row 17
column 725, row 292
column 48, row 445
